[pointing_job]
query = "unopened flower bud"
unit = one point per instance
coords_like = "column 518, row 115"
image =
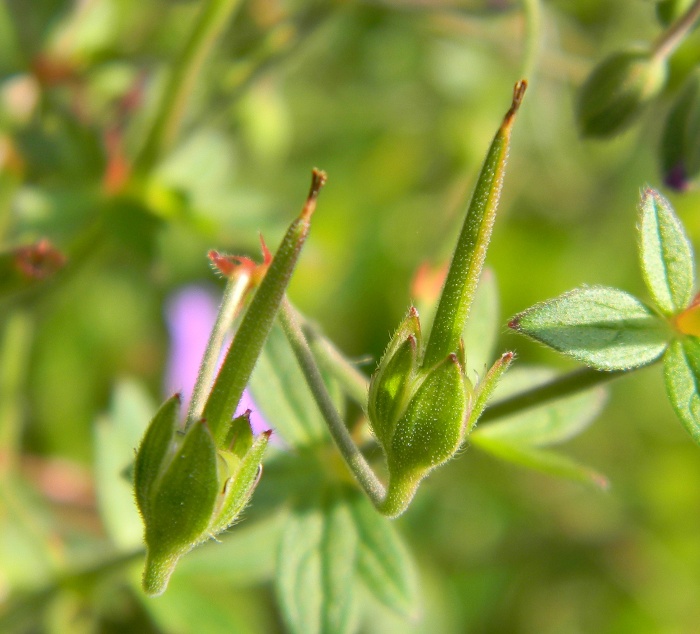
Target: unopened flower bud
column 617, row 91
column 188, row 490
column 418, row 415
column 680, row 145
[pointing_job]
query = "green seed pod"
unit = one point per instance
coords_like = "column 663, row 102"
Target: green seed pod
column 431, row 428
column 187, row 490
column 680, row 145
column 617, row 91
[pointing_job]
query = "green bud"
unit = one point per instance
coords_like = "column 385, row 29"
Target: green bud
column 417, row 415
column 617, row 91
column 680, row 145
column 668, row 11
column 188, row 490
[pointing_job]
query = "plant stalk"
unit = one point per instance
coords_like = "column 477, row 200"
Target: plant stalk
column 180, row 84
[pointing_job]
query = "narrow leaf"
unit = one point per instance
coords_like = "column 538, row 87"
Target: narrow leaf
column 316, row 569
column 384, row 563
column 682, row 370
column 603, row 327
column 547, row 462
column 665, row 253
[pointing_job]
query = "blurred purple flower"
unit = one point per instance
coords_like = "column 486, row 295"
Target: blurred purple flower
column 190, row 315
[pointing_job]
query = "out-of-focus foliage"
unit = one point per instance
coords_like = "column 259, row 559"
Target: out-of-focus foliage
column 397, row 100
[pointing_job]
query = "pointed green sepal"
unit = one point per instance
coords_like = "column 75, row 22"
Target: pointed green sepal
column 485, row 388
column 181, row 506
column 239, row 438
column 388, row 387
column 239, row 486
column 157, row 443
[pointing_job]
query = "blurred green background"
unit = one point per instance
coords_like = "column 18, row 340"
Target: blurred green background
column 397, row 100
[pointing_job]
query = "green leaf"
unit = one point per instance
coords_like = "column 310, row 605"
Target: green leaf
column 115, row 436
column 666, row 254
column 517, row 438
column 384, row 563
column 552, row 423
column 547, row 462
column 603, row 327
column 280, row 391
column 682, row 370
column 483, row 326
column 316, row 569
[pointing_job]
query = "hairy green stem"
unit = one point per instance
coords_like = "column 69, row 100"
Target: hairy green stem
column 171, row 109
column 677, row 32
column 354, row 459
column 234, row 294
column 557, row 388
column 351, row 380
column 257, row 321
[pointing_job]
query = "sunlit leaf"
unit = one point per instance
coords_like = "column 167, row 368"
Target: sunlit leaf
column 603, row 327
column 547, row 462
column 316, row 569
column 384, row 563
column 282, row 395
column 666, row 254
column 682, row 370
column 552, row 423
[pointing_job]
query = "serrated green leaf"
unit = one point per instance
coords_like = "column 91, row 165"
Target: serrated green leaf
column 547, row 462
column 282, row 395
column 483, row 326
column 665, row 253
column 682, row 373
column 552, row 423
column 603, row 327
column 316, row 569
column 384, row 563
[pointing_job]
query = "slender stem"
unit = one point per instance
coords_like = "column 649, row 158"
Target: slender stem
column 14, row 358
column 677, row 32
column 171, row 109
column 532, row 11
column 234, row 293
column 352, row 381
column 354, row 459
column 562, row 386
